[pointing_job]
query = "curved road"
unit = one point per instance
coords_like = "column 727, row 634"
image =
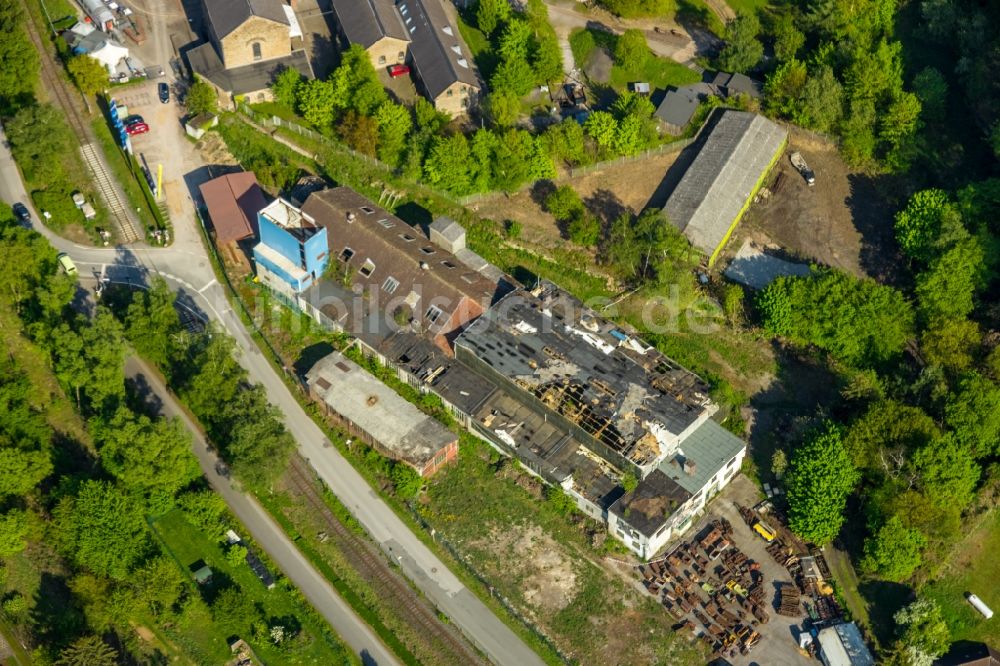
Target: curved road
column 187, row 269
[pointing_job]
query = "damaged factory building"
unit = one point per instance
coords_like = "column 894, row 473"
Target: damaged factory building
column 620, row 406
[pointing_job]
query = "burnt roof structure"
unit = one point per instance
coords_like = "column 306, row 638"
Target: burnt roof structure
column 717, row 187
column 626, row 397
column 651, row 504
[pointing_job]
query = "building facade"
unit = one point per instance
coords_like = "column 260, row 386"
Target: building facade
column 292, row 253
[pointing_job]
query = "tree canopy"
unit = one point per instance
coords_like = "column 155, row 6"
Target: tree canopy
column 820, row 477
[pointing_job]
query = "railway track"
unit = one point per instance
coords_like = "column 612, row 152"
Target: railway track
column 125, row 225
column 371, row 565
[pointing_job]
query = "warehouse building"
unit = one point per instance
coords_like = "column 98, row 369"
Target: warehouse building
column 732, row 163
column 376, row 414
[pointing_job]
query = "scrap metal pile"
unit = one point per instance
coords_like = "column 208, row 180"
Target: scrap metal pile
column 713, row 581
column 810, row 573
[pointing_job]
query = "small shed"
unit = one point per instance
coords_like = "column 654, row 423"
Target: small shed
column 233, row 202
column 639, row 87
column 843, row 645
column 679, row 106
column 203, row 575
column 197, row 126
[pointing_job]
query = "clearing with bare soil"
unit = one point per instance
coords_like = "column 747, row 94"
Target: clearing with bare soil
column 609, row 191
column 841, row 221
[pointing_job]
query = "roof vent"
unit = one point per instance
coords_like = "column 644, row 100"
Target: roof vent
column 351, row 216
column 372, row 399
column 424, row 265
column 689, row 467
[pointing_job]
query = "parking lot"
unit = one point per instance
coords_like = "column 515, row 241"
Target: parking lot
column 716, row 606
column 165, row 143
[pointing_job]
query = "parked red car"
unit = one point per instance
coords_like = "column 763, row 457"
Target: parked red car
column 136, row 128
column 398, row 70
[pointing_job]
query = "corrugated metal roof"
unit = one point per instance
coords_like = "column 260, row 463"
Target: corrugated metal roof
column 399, row 427
column 713, row 191
column 843, row 645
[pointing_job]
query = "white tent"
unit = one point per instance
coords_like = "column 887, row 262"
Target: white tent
column 109, row 54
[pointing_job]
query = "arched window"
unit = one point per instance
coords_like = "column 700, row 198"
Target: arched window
column 256, row 50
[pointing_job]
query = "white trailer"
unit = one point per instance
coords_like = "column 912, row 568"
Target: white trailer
column 978, row 604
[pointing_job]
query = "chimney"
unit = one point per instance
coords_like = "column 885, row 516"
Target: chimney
column 689, row 467
column 424, row 265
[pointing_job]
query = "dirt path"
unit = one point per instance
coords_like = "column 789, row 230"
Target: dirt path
column 671, row 41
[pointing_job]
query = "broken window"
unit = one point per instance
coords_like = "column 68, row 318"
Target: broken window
column 368, row 268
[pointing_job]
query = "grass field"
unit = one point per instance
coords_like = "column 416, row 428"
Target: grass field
column 748, row 6
column 658, row 72
column 283, row 605
column 975, row 567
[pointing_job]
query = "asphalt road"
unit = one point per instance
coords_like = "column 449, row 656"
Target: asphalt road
column 269, row 535
column 187, row 269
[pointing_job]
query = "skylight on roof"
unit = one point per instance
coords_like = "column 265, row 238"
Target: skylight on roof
column 447, row 30
column 387, row 223
column 457, row 49
column 368, row 210
column 463, row 62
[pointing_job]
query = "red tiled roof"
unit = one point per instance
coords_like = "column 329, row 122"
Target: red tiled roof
column 233, row 201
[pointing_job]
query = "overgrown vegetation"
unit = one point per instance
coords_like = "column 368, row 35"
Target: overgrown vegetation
column 86, row 462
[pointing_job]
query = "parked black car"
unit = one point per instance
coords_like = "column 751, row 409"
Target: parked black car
column 21, row 211
column 164, row 93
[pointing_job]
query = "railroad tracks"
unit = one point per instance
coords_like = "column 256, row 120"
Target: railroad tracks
column 126, row 228
column 388, row 584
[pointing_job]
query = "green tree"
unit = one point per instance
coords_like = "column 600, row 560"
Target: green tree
column 973, row 413
column 884, row 437
column 638, row 8
column 520, row 157
column 22, row 469
column 317, row 103
column 13, row 532
column 629, row 481
column 820, row 478
column 88, row 651
column 447, row 165
column 602, row 128
column 38, row 139
column 503, row 107
column 743, row 50
column 201, row 98
column 152, row 322
column 923, row 630
column 894, row 552
column 359, row 132
column 18, row 60
column 566, row 142
column 491, row 14
column 513, row 76
column 931, row 89
column 947, row 289
column 152, row 457
column 779, row 463
column 236, row 555
column 857, row 321
column 235, row 612
column 584, row 229
column 951, row 343
column 783, row 89
column 733, row 297
column 89, row 75
column 406, row 482
column 394, row 126
column 946, row 471
column 203, row 509
column 632, row 51
column 564, row 203
column 788, row 39
column 100, row 529
column 286, row 87
column 898, row 127
column 822, row 100
column 355, row 85
column 919, row 224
